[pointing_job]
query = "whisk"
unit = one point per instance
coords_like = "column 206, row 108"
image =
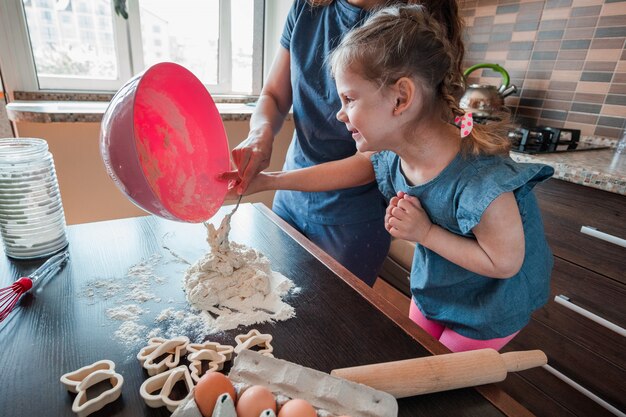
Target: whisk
column 10, row 295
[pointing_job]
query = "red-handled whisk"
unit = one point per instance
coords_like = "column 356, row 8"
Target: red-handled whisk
column 9, row 296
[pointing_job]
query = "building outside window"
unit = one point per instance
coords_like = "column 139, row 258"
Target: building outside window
column 214, row 39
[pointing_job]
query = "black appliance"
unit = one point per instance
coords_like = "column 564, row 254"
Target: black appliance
column 544, row 139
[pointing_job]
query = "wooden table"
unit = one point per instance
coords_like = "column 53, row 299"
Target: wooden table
column 339, row 321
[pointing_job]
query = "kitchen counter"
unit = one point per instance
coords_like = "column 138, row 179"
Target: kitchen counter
column 601, row 169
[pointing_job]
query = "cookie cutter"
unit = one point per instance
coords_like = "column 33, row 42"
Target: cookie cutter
column 168, row 350
column 71, row 379
column 153, row 343
column 163, row 383
column 225, row 350
column 81, row 380
column 255, row 339
column 216, row 362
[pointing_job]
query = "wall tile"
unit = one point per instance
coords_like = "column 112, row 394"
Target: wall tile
column 589, row 98
column 600, row 66
column 618, row 89
column 567, row 57
column 591, row 119
column 612, row 110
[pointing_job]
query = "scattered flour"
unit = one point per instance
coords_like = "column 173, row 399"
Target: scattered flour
column 124, row 313
column 130, row 333
column 230, row 286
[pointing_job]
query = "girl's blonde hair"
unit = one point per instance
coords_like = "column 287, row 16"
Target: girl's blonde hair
column 407, row 41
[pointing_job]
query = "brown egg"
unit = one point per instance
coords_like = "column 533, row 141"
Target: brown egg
column 208, row 388
column 297, row 408
column 254, row 400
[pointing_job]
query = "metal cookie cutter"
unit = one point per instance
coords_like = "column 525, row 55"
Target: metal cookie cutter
column 163, row 384
column 253, row 339
column 169, row 350
column 216, row 362
column 82, row 379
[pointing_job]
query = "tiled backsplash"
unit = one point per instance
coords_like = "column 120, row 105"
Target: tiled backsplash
column 566, row 57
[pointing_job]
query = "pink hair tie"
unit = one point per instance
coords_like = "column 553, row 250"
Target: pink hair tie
column 466, row 123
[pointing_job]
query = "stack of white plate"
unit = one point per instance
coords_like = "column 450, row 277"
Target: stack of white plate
column 32, row 221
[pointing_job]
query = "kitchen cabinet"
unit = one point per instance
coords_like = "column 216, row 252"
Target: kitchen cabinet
column 581, row 329
column 590, row 283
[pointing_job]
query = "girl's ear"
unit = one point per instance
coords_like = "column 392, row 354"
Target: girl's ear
column 404, row 90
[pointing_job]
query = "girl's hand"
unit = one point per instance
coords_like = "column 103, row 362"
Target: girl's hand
column 259, row 183
column 406, row 219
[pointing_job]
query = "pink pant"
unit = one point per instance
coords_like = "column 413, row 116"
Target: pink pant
column 451, row 339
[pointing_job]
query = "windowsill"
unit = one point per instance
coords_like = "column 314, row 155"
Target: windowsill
column 89, row 106
column 92, row 111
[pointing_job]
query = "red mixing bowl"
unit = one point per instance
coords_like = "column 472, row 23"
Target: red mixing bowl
column 163, row 143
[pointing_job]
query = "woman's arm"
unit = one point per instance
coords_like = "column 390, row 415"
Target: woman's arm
column 345, row 173
column 253, row 154
column 497, row 252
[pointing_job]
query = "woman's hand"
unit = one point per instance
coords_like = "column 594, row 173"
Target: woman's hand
column 251, row 157
column 406, row 219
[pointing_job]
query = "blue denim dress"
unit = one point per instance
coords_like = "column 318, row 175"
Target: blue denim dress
column 473, row 305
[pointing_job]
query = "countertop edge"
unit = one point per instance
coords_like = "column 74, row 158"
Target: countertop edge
column 585, row 175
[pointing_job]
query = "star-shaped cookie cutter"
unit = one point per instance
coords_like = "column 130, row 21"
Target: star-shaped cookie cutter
column 168, row 350
column 255, row 339
column 216, row 362
column 82, row 379
column 163, row 383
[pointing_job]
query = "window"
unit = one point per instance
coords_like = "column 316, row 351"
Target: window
column 218, row 40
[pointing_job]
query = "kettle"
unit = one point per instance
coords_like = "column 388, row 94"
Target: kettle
column 483, row 100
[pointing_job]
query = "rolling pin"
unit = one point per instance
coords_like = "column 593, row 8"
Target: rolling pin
column 442, row 372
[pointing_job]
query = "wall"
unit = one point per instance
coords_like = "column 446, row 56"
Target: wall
column 88, row 193
column 567, row 58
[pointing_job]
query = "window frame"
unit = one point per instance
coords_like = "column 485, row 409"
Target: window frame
column 18, row 66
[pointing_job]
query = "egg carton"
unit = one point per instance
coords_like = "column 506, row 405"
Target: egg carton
column 329, row 395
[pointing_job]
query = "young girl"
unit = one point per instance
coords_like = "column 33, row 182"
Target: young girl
column 481, row 264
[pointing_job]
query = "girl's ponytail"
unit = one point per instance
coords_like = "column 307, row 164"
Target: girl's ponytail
column 490, row 139
column 446, row 12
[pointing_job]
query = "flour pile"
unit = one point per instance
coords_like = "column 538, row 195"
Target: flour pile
column 235, row 284
column 230, row 286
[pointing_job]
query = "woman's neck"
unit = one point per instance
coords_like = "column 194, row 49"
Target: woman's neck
column 429, row 151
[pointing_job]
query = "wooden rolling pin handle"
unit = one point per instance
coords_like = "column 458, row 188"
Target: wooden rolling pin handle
column 520, row 361
column 417, row 376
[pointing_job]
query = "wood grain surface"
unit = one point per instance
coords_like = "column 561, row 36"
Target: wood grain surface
column 340, row 322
